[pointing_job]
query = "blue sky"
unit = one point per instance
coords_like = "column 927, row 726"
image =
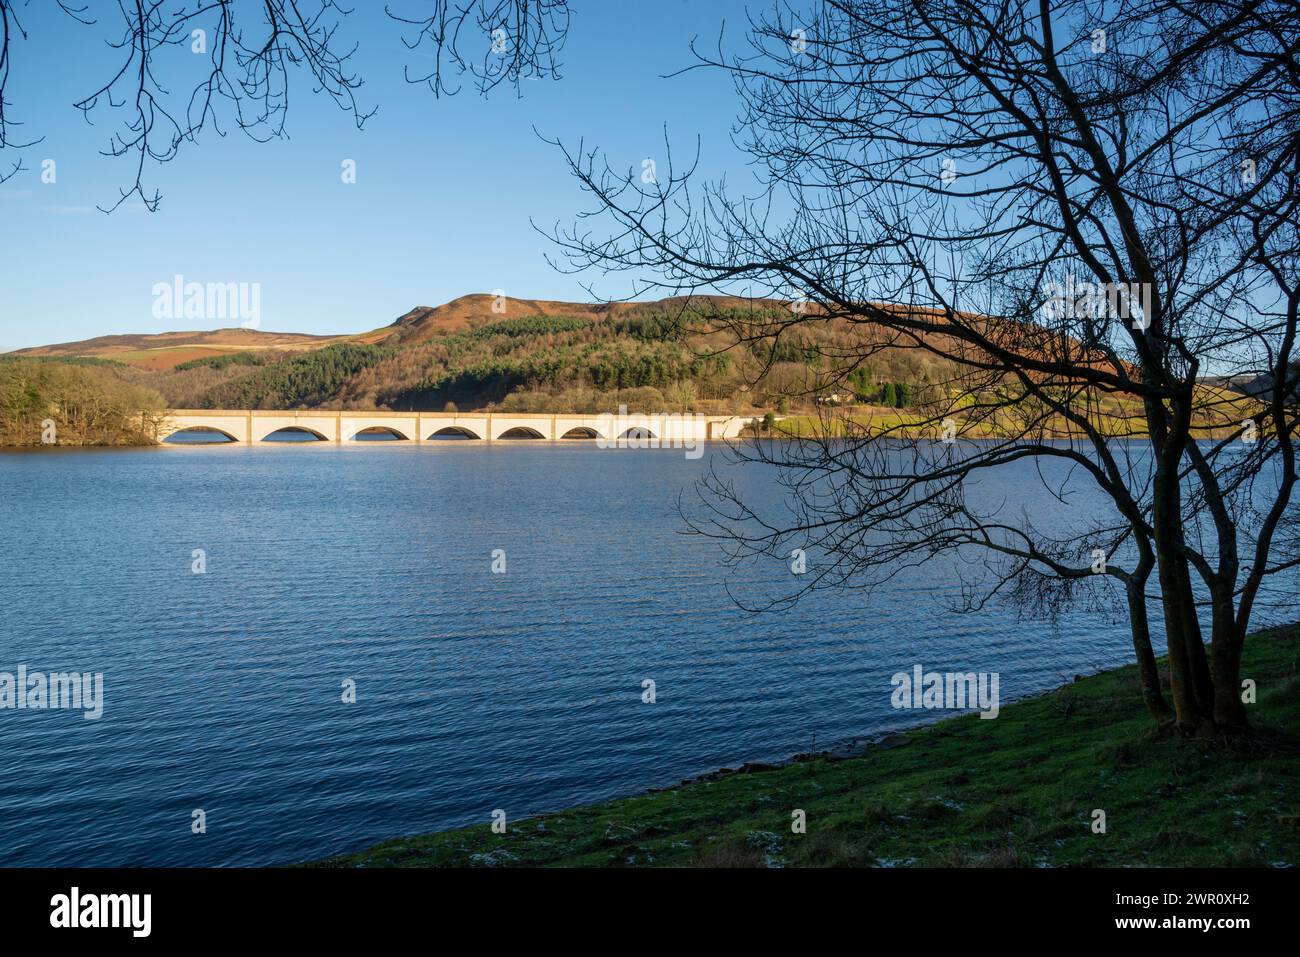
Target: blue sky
column 444, row 195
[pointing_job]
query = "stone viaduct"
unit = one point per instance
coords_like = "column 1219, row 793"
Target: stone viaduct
column 252, row 426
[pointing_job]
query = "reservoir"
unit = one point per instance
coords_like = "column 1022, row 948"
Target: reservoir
column 493, row 611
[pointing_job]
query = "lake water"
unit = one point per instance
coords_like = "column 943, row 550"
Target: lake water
column 474, row 690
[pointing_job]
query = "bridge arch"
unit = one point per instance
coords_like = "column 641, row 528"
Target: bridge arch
column 638, row 432
column 581, row 432
column 378, row 433
column 220, row 436
column 454, row 432
column 521, row 432
column 288, row 433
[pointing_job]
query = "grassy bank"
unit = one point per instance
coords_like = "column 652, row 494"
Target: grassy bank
column 1016, row 791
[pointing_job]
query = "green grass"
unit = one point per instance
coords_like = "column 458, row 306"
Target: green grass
column 1015, row 791
column 1220, row 415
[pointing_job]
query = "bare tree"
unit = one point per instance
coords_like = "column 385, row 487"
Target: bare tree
column 526, row 37
column 1078, row 210
column 248, row 51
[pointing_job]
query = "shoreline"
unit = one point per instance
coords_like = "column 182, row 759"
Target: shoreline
column 1020, row 790
column 534, row 443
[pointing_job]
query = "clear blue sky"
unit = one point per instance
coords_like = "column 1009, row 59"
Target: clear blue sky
column 444, row 195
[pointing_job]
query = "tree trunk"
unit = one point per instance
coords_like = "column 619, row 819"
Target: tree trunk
column 1192, row 711
column 1148, row 673
column 1197, row 662
column 1225, row 650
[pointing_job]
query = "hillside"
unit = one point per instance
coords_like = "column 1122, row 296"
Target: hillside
column 475, row 351
column 531, row 355
column 469, row 312
column 166, row 350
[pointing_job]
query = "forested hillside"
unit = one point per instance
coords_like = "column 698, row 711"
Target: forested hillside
column 542, row 357
column 657, row 357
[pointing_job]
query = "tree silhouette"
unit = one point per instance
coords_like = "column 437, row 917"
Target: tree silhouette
column 1084, row 208
column 251, row 50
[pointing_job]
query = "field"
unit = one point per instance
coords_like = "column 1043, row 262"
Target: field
column 1220, row 413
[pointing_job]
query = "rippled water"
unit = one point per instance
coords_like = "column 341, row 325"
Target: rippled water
column 475, row 690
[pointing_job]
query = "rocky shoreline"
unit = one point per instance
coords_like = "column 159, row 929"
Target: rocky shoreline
column 847, row 749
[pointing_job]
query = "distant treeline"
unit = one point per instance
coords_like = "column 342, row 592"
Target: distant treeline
column 299, row 380
column 229, row 359
column 66, row 360
column 48, row 402
column 530, row 326
column 893, row 395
